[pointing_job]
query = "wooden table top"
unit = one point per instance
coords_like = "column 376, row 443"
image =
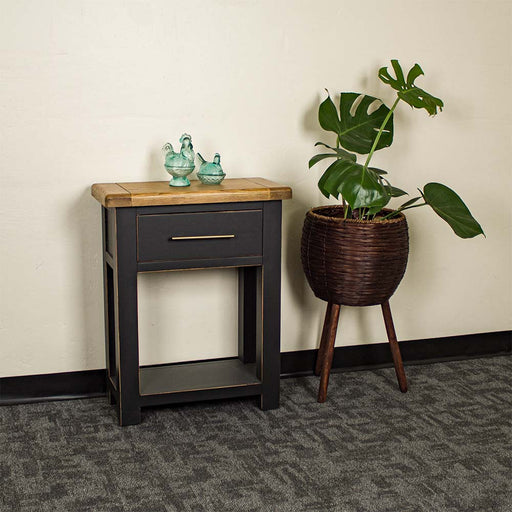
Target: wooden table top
column 159, row 193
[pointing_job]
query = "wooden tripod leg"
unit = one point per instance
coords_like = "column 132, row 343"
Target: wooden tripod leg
column 329, row 352
column 393, row 344
column 323, row 340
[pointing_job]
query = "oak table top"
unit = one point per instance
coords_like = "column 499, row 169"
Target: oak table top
column 159, row 193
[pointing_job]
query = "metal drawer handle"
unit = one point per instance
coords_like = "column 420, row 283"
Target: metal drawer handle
column 202, row 237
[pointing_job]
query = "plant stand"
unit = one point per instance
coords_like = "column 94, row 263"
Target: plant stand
column 326, row 349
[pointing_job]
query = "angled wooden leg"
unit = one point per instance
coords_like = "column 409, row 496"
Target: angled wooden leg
column 329, row 352
column 395, row 350
column 323, row 340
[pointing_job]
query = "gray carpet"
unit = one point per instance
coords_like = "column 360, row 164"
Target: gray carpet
column 444, row 446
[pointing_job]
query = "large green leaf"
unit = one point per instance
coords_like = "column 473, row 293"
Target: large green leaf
column 418, row 98
column 337, row 153
column 407, row 91
column 414, row 73
column 359, row 186
column 380, row 172
column 364, row 190
column 340, row 153
column 399, row 82
column 360, row 124
column 328, row 116
column 450, row 207
column 394, row 191
column 332, row 178
column 390, row 189
column 322, row 156
column 357, row 124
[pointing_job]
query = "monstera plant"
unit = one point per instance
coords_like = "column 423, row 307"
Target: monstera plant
column 364, row 125
column 355, row 253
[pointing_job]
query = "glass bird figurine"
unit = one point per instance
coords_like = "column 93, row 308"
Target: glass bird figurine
column 180, row 165
column 210, row 173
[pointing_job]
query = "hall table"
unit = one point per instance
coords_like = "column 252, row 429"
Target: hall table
column 152, row 227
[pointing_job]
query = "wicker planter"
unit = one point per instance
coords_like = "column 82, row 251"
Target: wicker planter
column 353, row 262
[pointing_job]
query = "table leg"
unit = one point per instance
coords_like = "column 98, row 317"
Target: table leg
column 125, row 293
column 247, row 313
column 111, row 399
column 269, row 314
column 110, row 322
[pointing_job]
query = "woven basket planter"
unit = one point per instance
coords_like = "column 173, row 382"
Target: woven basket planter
column 353, row 262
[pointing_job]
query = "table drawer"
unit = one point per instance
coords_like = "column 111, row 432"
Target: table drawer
column 196, row 236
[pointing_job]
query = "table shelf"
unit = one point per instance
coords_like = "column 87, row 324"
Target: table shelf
column 204, row 380
column 197, row 376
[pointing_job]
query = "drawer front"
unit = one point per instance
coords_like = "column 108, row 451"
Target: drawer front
column 196, row 236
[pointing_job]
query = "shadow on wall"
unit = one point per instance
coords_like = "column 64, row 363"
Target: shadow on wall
column 294, row 212
column 84, row 223
column 293, row 215
column 310, row 122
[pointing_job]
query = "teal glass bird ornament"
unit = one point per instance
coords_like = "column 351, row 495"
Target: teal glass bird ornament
column 210, row 173
column 180, row 165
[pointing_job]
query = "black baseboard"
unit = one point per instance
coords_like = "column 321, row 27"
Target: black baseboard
column 91, row 383
column 52, row 386
column 433, row 350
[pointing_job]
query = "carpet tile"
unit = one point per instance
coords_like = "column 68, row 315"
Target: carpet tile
column 445, row 446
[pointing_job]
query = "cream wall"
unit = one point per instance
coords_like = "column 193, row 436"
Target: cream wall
column 91, row 90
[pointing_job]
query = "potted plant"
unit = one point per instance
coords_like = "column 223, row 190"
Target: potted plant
column 356, row 253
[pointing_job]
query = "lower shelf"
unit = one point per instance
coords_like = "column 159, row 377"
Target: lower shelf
column 175, row 383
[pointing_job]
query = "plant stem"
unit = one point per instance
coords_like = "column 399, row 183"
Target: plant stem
column 391, row 214
column 381, row 129
column 343, row 202
column 413, row 206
